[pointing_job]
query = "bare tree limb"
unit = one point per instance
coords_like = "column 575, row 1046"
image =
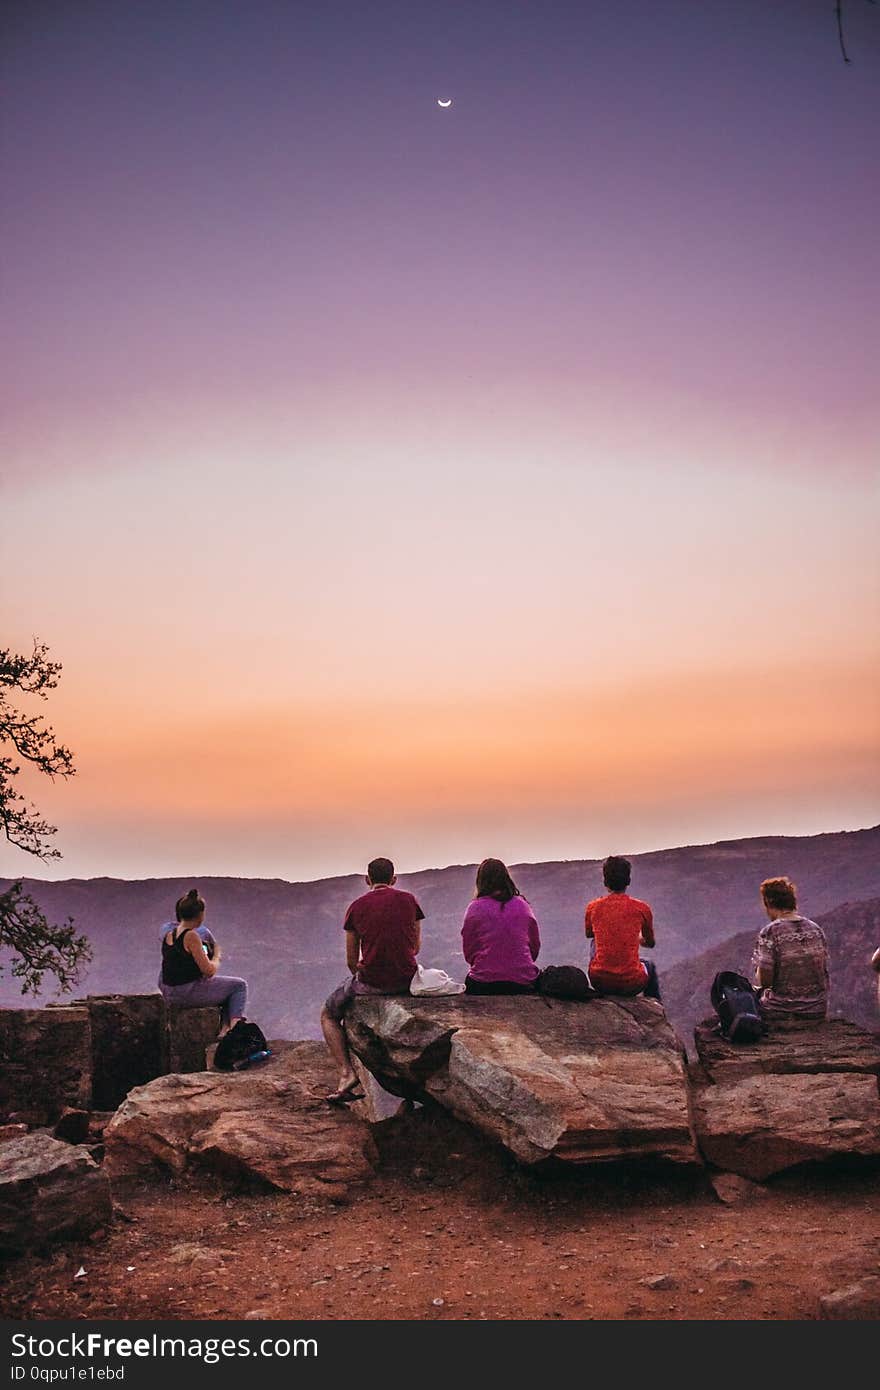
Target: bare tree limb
column 838, row 10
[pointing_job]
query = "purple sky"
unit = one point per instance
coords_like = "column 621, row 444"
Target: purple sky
column 322, row 405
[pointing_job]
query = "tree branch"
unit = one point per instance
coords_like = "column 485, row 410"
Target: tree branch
column 34, row 741
column 39, row 947
column 838, row 10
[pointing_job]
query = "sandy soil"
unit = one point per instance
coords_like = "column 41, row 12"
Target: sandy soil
column 451, row 1228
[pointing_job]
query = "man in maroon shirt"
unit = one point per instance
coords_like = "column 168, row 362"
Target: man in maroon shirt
column 383, row 937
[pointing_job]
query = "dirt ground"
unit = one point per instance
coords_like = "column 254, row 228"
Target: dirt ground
column 451, row 1228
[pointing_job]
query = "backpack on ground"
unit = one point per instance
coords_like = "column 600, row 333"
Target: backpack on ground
column 736, row 1005
column 242, row 1047
column 564, row 982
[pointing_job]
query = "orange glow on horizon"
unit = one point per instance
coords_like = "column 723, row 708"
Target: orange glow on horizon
column 666, row 738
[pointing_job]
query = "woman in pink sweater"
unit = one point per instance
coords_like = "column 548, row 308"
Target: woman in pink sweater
column 499, row 935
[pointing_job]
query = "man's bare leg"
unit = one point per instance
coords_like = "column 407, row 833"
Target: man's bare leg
column 334, row 1036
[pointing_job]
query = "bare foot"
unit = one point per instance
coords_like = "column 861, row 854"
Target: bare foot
column 347, row 1092
column 227, row 1027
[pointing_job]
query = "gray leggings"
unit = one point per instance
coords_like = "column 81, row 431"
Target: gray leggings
column 227, row 991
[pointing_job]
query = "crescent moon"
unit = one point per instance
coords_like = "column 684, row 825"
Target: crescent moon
column 444, row 103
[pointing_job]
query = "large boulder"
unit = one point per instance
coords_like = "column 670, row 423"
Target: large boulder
column 270, row 1126
column 45, row 1062
column 802, row 1094
column 550, row 1079
column 760, row 1125
column 49, row 1190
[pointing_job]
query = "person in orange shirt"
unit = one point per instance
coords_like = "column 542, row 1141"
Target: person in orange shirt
column 619, row 925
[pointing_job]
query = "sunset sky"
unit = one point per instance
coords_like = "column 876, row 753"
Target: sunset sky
column 439, row 483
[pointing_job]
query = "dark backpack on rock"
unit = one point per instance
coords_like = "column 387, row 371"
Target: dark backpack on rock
column 564, row 982
column 736, row 1005
column 242, row 1047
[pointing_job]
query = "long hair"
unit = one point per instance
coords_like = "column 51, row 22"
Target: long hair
column 494, row 881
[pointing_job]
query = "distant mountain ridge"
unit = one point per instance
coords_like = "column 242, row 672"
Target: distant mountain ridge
column 286, row 938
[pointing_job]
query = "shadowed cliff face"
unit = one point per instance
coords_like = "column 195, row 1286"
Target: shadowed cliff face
column 287, row 940
column 853, row 934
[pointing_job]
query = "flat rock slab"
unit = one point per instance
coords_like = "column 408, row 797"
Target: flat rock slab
column 832, row 1046
column 761, row 1125
column 269, row 1125
column 580, row 1082
column 49, row 1191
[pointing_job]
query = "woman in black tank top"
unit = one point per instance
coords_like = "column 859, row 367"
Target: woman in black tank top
column 189, row 976
column 178, row 965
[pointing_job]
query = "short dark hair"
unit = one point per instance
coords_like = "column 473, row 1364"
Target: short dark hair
column 494, row 881
column 779, row 893
column 616, row 873
column 380, row 871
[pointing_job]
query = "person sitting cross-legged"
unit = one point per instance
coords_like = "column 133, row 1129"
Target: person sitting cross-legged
column 619, row 925
column 382, row 939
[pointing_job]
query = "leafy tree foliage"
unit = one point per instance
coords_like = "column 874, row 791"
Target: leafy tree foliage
column 36, row 946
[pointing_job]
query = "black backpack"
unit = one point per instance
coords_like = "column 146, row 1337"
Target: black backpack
column 736, row 1005
column 564, row 982
column 243, row 1046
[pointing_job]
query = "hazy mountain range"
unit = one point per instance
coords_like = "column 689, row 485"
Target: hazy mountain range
column 286, row 938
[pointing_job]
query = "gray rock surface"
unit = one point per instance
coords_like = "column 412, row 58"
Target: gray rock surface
column 48, row 1191
column 270, row 1125
column 579, row 1082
